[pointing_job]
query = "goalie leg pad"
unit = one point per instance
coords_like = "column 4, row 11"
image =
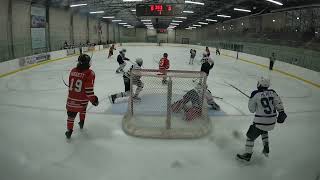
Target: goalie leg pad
column 177, row 106
column 192, row 96
column 192, row 113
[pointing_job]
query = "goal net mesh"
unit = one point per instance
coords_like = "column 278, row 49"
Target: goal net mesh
column 176, row 108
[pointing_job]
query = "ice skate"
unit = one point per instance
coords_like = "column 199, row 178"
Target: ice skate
column 81, row 123
column 215, row 106
column 68, row 134
column 245, row 157
column 265, row 150
column 112, row 98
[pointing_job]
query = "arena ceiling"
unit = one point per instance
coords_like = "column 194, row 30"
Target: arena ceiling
column 211, row 8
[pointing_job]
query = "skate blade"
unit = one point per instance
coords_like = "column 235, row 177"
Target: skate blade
column 242, row 161
column 266, row 155
column 110, row 99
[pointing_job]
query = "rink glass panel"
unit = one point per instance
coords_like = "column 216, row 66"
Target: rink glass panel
column 152, row 117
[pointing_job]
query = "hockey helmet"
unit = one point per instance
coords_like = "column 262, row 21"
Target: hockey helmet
column 139, row 61
column 165, row 55
column 263, row 82
column 84, row 61
column 204, row 54
column 123, row 51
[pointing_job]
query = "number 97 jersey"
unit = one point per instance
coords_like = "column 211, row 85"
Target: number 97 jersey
column 81, row 85
column 265, row 104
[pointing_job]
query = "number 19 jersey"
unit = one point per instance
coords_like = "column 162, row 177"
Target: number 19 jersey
column 81, row 83
column 265, row 104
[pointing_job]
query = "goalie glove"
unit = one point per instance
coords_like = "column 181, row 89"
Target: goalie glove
column 281, row 117
column 96, row 101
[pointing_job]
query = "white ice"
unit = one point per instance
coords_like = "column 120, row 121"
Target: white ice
column 33, row 122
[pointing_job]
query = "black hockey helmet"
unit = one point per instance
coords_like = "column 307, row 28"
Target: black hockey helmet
column 165, row 55
column 84, row 61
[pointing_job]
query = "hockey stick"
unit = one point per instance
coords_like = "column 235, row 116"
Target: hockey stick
column 237, row 89
column 64, row 81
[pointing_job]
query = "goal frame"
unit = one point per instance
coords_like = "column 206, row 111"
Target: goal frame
column 168, row 132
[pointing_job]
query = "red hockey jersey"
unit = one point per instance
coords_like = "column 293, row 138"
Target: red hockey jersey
column 81, row 85
column 164, row 64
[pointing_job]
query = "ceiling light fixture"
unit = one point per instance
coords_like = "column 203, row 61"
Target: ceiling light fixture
column 275, row 2
column 193, row 2
column 147, row 23
column 132, row 0
column 122, row 23
column 77, row 5
column 225, row 16
column 196, row 25
column 181, row 17
column 108, row 17
column 145, row 20
column 175, row 21
column 203, row 23
column 211, row 20
column 242, row 10
column 116, row 20
column 174, row 24
column 189, row 12
column 96, row 12
column 133, row 10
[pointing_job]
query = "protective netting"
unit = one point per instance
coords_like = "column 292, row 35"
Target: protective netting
column 174, row 108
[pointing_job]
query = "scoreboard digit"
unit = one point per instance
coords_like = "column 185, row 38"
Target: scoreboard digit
column 155, row 10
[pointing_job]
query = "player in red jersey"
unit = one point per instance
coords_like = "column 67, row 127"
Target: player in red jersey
column 164, row 64
column 111, row 51
column 81, row 83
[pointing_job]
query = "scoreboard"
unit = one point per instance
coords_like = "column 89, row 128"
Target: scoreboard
column 158, row 9
column 160, row 31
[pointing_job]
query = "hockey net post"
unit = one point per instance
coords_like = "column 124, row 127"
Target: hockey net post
column 153, row 116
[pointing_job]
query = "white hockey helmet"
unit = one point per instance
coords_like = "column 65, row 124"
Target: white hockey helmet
column 123, row 51
column 139, row 61
column 263, row 82
column 204, row 54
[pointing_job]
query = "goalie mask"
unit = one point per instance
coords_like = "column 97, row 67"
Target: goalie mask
column 263, row 83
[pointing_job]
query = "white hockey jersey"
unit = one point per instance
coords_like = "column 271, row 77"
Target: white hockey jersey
column 127, row 72
column 265, row 104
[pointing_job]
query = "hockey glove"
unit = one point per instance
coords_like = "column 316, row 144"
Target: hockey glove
column 96, row 101
column 281, row 117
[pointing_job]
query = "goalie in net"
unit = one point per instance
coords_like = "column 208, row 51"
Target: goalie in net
column 194, row 96
column 154, row 116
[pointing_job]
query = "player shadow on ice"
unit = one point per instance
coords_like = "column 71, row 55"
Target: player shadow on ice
column 228, row 141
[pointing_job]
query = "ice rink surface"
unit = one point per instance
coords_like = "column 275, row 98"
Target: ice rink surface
column 33, row 122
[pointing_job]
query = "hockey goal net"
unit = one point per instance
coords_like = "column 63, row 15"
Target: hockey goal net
column 171, row 110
